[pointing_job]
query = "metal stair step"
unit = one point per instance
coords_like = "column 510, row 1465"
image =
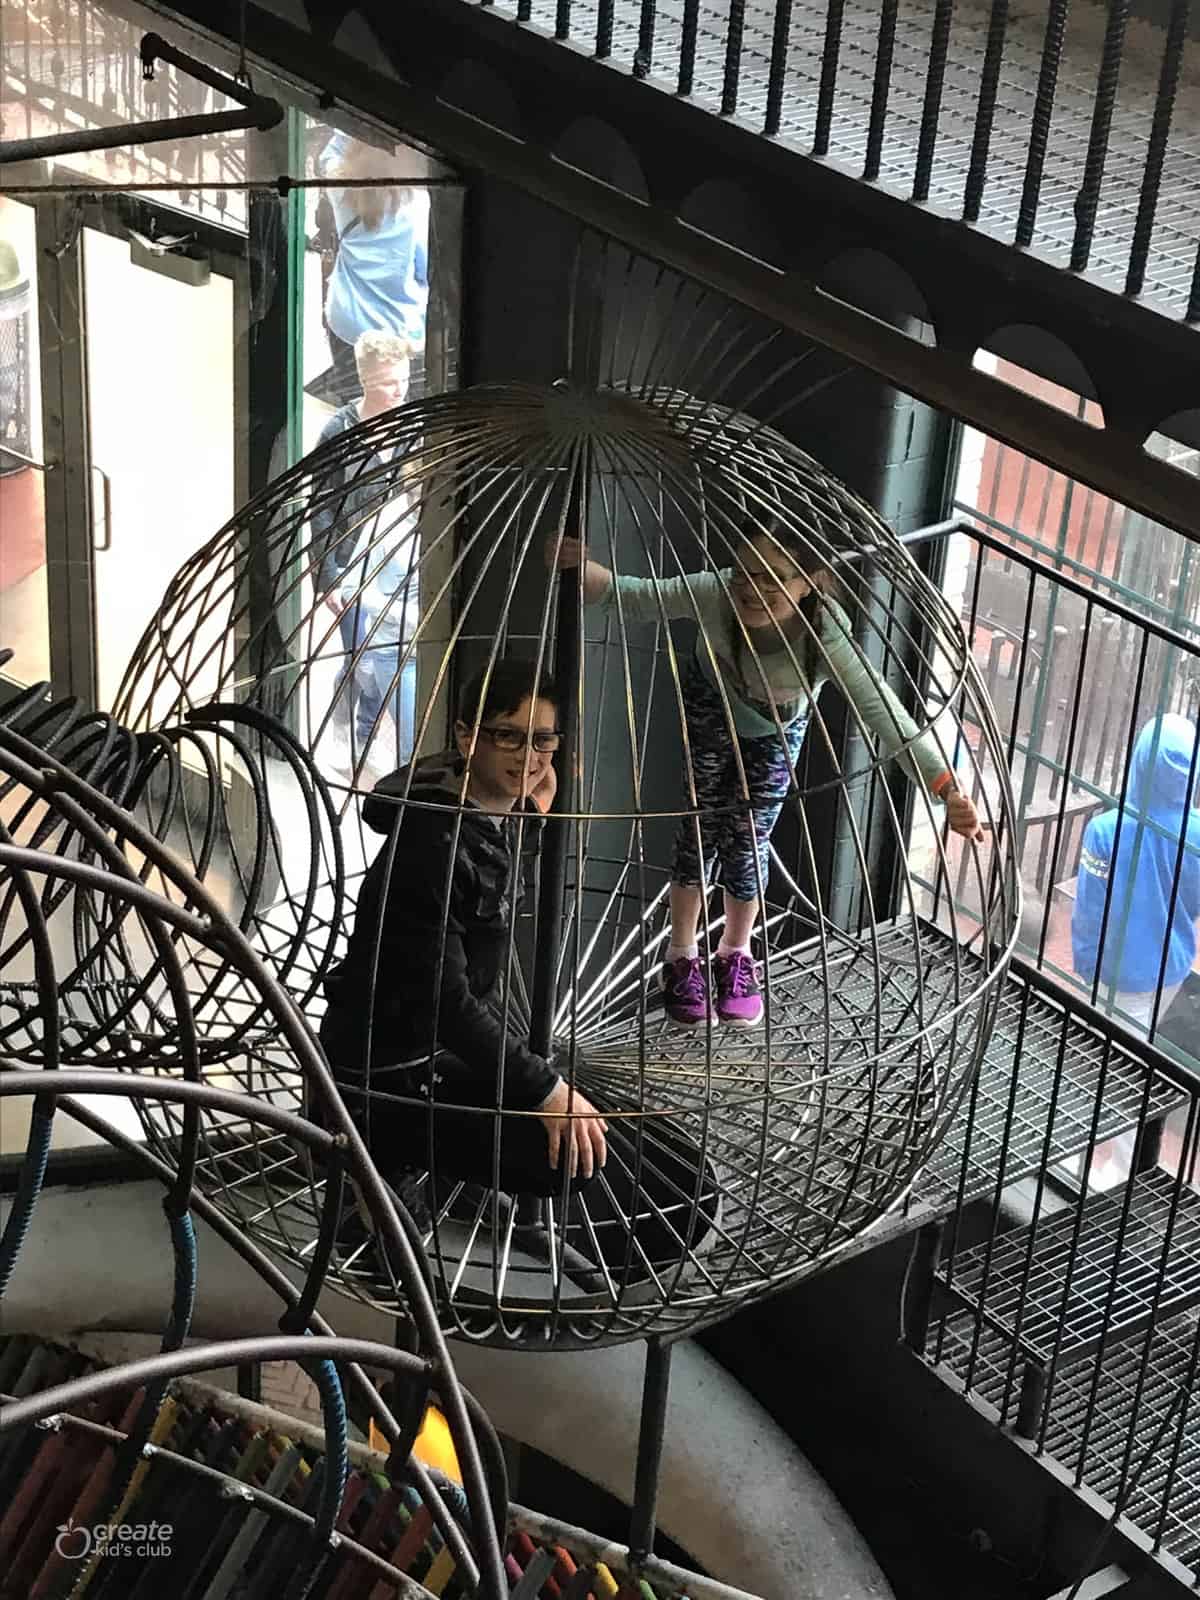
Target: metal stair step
column 1102, row 1271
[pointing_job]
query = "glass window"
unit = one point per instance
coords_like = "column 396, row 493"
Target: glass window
column 210, row 319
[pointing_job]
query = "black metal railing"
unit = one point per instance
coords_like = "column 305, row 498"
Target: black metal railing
column 1060, row 1290
column 1075, row 135
column 1074, row 674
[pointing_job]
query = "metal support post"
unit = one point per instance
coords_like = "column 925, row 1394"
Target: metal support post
column 655, row 1391
column 552, row 889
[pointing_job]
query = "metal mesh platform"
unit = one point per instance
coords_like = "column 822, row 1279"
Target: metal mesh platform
column 1173, row 250
column 1044, row 1074
column 1115, row 1425
column 1089, row 1275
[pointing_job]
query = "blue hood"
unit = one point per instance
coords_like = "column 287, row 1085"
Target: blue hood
column 1160, row 776
column 1130, row 861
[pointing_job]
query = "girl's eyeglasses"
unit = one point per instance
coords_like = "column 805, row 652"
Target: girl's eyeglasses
column 545, row 742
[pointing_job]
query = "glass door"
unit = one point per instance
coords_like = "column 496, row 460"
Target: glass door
column 161, row 428
column 24, row 597
column 122, row 443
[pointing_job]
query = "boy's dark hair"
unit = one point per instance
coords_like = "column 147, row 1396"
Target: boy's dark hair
column 512, row 680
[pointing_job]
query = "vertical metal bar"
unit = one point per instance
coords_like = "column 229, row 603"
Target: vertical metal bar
column 779, row 63
column 655, row 1391
column 918, row 1310
column 552, row 888
column 249, row 1381
column 562, row 19
column 1032, row 1400
column 1087, row 202
column 1192, row 314
column 1160, row 130
column 733, row 57
column 524, row 10
column 830, row 59
column 643, row 60
column 1043, row 110
column 687, row 46
column 939, row 47
column 604, row 29
column 66, row 447
column 989, row 86
column 882, row 87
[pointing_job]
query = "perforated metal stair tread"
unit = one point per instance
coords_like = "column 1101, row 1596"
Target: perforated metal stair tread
column 1108, row 1415
column 1035, row 1102
column 1099, row 1272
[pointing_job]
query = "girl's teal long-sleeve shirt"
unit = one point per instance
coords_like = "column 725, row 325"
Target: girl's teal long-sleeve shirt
column 790, row 678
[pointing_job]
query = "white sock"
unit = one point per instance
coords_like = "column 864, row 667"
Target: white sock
column 682, row 952
column 727, row 949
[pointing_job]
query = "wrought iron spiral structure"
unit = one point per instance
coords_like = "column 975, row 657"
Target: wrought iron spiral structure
column 738, row 1159
column 114, row 955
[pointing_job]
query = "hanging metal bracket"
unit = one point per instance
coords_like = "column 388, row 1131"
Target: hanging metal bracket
column 258, row 111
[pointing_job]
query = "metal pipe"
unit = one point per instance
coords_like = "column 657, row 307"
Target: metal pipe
column 881, row 88
column 1043, row 109
column 939, row 46
column 831, row 53
column 128, row 133
column 1160, row 129
column 655, row 1391
column 643, row 59
column 733, row 57
column 1088, row 200
column 778, row 73
column 989, row 84
column 259, row 111
column 552, row 887
column 687, row 46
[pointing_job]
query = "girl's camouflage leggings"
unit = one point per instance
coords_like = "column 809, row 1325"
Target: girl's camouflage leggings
column 736, row 818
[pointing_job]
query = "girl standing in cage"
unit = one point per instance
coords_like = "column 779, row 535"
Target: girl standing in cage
column 770, row 636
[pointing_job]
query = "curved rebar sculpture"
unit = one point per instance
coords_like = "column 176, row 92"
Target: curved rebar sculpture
column 164, row 985
column 738, row 1158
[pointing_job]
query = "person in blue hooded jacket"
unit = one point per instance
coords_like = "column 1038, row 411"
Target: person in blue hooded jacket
column 1130, row 859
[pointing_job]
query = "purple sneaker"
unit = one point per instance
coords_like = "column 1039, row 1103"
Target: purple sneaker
column 739, row 999
column 685, row 991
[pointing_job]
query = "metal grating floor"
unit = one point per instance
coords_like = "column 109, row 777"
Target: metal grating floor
column 1173, row 250
column 1107, row 1417
column 1089, row 1274
column 1036, row 1100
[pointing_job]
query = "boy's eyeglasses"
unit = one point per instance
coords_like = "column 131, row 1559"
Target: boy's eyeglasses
column 545, row 742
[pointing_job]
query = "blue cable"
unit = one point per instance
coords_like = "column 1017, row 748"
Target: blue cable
column 29, row 1187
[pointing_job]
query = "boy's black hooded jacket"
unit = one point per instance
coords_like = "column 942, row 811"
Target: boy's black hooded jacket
column 409, row 881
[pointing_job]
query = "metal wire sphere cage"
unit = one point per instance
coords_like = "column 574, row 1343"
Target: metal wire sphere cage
column 480, row 930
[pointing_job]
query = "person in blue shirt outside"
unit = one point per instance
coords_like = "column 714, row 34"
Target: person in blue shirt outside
column 380, row 276
column 1130, row 859
column 364, row 539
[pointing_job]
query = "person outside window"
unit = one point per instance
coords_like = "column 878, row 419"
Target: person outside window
column 1140, row 863
column 364, row 533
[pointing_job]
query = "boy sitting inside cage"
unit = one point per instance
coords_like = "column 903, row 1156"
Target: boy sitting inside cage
column 424, row 977
column 422, row 1027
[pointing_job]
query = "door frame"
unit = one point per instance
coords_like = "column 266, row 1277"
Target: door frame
column 74, row 496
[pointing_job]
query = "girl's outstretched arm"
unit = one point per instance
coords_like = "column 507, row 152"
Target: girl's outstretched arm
column 569, row 553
